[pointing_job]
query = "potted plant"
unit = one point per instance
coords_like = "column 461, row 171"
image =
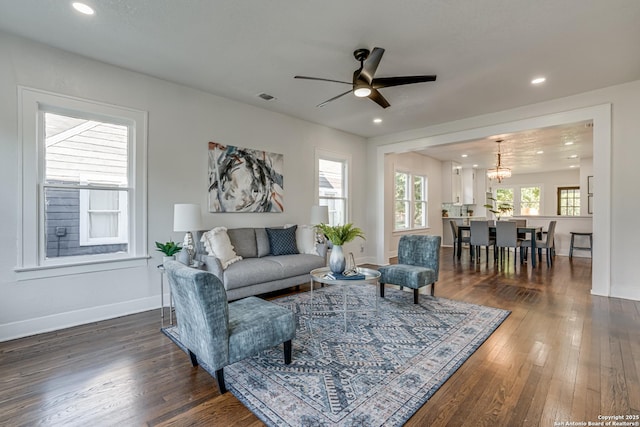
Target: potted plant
column 169, row 249
column 338, row 235
column 445, row 213
column 499, row 210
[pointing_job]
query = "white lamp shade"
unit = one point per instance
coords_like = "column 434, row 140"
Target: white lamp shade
column 319, row 214
column 186, row 217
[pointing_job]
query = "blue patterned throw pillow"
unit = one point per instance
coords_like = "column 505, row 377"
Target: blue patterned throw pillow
column 283, row 240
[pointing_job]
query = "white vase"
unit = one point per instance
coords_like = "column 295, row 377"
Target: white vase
column 168, row 258
column 337, row 262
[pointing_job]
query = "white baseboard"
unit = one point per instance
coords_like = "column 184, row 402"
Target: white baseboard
column 68, row 319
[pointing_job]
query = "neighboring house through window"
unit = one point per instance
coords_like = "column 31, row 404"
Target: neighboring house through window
column 90, row 179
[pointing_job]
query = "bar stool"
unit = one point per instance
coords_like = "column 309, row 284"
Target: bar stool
column 581, row 248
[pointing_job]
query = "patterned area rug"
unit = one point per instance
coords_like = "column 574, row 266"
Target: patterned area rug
column 379, row 372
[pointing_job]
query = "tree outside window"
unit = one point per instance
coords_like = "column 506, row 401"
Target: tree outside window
column 529, row 200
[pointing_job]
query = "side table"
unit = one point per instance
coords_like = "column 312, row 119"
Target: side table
column 162, row 273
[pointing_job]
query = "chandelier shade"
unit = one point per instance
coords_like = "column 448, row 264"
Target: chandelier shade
column 499, row 172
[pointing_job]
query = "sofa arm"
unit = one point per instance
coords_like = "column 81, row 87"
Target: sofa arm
column 212, row 265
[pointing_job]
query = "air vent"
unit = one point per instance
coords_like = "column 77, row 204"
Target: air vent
column 266, row 96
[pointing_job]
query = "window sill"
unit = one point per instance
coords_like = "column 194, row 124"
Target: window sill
column 410, row 230
column 46, row 271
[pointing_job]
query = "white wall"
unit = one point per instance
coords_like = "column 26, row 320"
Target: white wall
column 416, row 164
column 615, row 155
column 181, row 123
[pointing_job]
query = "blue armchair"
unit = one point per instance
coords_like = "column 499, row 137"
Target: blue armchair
column 219, row 333
column 418, row 264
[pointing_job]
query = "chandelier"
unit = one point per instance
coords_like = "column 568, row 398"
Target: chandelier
column 499, row 172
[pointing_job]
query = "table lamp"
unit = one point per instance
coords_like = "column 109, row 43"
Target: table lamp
column 187, row 217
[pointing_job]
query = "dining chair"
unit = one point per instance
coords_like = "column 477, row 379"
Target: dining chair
column 546, row 243
column 520, row 223
column 507, row 237
column 465, row 239
column 480, row 237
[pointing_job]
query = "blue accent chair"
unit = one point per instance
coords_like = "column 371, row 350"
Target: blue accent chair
column 219, row 333
column 418, row 264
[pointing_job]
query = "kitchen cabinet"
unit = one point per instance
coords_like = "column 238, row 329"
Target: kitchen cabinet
column 452, row 183
column 468, row 186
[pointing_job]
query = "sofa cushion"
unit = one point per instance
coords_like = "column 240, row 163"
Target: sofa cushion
column 251, row 271
column 244, row 242
column 295, row 265
column 282, row 241
column 306, row 239
column 262, row 242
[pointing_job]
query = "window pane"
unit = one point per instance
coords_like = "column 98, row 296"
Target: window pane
column 337, row 211
column 401, row 186
column 85, row 151
column 418, row 188
column 419, row 215
column 530, row 201
column 569, row 201
column 331, row 179
column 63, row 224
column 504, row 200
column 401, row 215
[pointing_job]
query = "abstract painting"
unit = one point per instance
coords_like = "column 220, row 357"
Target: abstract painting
column 244, row 180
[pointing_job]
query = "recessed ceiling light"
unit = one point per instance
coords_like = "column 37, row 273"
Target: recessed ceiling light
column 464, row 155
column 568, row 143
column 538, row 80
column 539, row 152
column 377, row 120
column 573, row 166
column 83, row 8
column 573, row 156
column 475, row 166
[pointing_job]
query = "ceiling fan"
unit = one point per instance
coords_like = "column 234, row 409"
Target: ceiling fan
column 364, row 84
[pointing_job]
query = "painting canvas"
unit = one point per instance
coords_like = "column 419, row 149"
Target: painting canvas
column 244, row 180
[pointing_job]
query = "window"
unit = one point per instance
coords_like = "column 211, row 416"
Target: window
column 83, row 175
column 569, row 201
column 529, row 201
column 504, row 198
column 410, row 201
column 332, row 187
column 523, row 200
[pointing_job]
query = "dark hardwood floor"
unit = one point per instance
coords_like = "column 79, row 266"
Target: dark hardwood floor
column 562, row 355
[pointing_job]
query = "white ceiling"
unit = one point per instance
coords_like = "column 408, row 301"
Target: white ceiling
column 484, row 52
column 561, row 147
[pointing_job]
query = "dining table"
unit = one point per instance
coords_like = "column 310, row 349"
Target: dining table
column 531, row 230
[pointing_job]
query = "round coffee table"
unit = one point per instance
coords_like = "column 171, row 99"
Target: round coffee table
column 370, row 276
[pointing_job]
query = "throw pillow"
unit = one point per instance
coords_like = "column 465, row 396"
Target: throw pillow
column 282, row 241
column 306, row 239
column 217, row 243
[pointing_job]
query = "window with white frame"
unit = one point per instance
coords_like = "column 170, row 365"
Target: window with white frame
column 332, row 187
column 568, row 201
column 524, row 200
column 85, row 203
column 410, row 201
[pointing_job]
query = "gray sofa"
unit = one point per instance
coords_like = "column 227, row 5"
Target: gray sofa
column 259, row 271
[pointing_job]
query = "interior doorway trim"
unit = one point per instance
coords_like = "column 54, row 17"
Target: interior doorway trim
column 601, row 117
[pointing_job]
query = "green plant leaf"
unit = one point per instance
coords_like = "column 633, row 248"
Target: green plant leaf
column 341, row 234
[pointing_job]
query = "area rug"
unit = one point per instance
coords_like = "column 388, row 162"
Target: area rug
column 379, row 372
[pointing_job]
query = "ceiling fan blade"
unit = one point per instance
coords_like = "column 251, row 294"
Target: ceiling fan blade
column 399, row 81
column 321, row 79
column 333, row 99
column 377, row 97
column 371, row 64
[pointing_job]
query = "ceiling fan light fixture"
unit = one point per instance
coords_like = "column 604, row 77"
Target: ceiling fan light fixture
column 362, row 92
